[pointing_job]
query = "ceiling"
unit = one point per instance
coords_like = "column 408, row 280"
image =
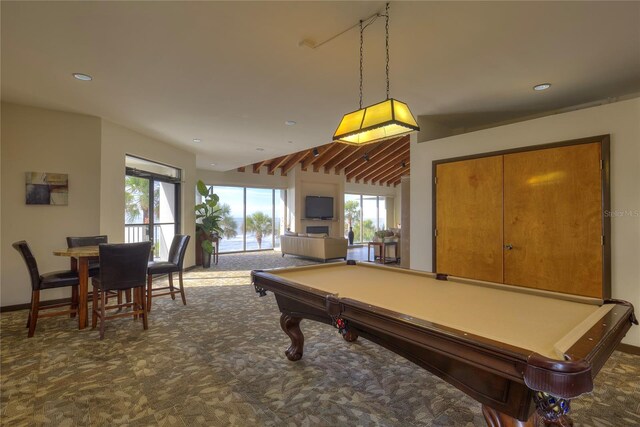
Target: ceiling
column 232, row 73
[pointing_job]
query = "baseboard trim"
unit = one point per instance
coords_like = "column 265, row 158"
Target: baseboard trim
column 628, row 348
column 27, row 306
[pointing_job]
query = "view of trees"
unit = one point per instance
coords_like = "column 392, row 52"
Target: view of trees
column 352, row 215
column 137, row 199
column 368, row 230
column 260, row 224
column 227, row 223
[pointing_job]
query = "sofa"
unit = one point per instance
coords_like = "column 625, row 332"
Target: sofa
column 316, row 246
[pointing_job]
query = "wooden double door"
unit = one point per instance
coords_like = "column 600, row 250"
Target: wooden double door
column 529, row 218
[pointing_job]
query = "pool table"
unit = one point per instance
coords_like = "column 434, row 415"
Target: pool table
column 522, row 353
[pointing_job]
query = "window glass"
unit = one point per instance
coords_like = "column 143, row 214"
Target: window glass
column 352, row 211
column 259, row 221
column 369, row 217
column 232, row 223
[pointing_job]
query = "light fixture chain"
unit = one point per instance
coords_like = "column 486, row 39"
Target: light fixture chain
column 361, row 52
column 387, row 45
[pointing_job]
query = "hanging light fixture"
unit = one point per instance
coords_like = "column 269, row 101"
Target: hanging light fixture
column 377, row 122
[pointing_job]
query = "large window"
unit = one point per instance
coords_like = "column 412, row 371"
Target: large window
column 365, row 215
column 252, row 218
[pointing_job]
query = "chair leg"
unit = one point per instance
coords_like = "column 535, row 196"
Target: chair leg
column 33, row 314
column 145, row 315
column 103, row 313
column 74, row 300
column 119, row 297
column 136, row 302
column 184, row 299
column 171, row 288
column 149, row 288
column 94, row 307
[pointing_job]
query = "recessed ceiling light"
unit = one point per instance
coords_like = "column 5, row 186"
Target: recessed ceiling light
column 290, row 142
column 259, row 149
column 289, row 123
column 542, row 86
column 83, row 77
column 197, row 140
column 213, row 164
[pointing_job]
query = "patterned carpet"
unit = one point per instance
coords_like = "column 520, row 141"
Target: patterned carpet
column 220, row 361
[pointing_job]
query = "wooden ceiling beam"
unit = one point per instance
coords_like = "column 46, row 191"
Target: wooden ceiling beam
column 375, row 162
column 391, row 174
column 350, row 153
column 371, row 150
column 332, row 153
column 258, row 165
column 241, row 169
column 293, row 161
column 351, row 158
column 309, row 160
column 276, row 163
column 374, row 156
column 391, row 163
column 397, row 174
column 395, row 181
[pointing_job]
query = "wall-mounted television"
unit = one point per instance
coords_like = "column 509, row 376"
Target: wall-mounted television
column 318, row 207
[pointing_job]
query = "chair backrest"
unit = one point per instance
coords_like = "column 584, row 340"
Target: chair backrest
column 178, row 249
column 74, row 242
column 123, row 265
column 23, row 247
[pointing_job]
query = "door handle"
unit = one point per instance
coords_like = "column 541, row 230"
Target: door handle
column 508, row 246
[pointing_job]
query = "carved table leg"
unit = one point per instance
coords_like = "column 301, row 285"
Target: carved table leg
column 291, row 326
column 498, row 419
column 563, row 421
column 350, row 336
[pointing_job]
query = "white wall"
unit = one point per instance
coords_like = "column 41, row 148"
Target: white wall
column 117, row 142
column 40, row 140
column 621, row 120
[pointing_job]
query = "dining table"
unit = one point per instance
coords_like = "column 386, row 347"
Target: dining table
column 80, row 257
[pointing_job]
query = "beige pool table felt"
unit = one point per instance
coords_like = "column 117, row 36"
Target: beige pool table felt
column 542, row 322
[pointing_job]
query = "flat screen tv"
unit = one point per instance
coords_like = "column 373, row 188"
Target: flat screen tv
column 318, row 207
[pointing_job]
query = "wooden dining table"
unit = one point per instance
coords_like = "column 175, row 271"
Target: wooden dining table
column 80, row 257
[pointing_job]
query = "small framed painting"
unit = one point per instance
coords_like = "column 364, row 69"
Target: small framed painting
column 45, row 188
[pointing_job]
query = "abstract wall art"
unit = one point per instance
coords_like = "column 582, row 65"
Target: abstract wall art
column 45, row 188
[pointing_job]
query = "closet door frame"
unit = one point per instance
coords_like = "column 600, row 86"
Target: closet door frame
column 605, row 168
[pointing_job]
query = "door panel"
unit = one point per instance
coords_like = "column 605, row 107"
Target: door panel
column 553, row 219
column 469, row 218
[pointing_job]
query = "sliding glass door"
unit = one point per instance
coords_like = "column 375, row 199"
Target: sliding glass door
column 151, row 205
column 366, row 214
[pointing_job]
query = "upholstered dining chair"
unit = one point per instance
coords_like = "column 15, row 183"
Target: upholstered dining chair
column 94, row 265
column 55, row 279
column 172, row 265
column 123, row 266
column 75, row 242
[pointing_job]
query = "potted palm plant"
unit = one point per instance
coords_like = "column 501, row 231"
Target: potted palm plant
column 207, row 221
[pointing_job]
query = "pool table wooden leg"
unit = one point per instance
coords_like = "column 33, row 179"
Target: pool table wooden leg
column 498, row 419
column 350, row 336
column 291, row 326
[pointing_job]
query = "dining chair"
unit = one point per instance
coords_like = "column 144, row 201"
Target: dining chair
column 172, row 265
column 75, row 242
column 123, row 266
column 55, row 279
